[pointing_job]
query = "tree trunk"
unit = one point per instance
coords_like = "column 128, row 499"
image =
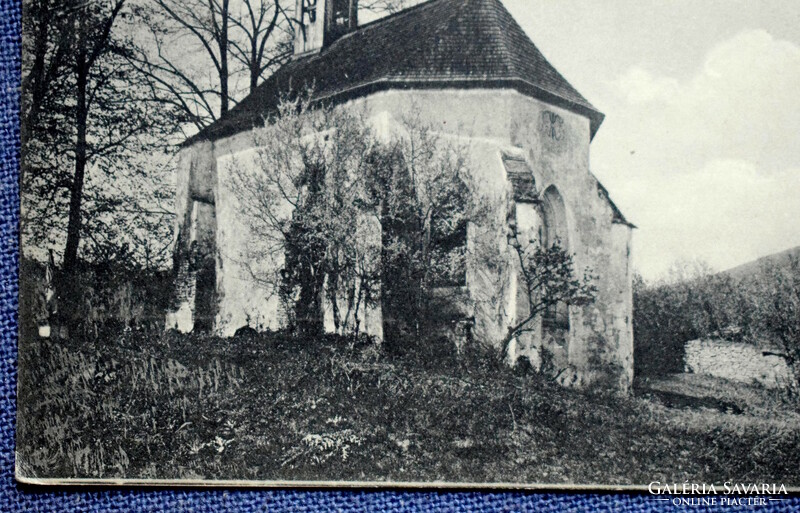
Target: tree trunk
column 510, row 335
column 35, row 81
column 223, row 59
column 310, row 320
column 255, row 65
column 76, row 193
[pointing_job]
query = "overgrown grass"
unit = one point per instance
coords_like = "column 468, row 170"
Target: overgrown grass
column 270, row 407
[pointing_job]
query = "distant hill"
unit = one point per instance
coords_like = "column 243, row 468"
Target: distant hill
column 780, row 259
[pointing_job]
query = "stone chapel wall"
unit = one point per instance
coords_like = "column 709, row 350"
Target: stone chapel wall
column 555, row 143
column 488, row 124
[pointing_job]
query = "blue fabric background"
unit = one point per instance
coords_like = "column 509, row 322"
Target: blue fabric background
column 14, row 497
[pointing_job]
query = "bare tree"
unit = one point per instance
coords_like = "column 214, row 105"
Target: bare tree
column 204, row 56
column 265, row 33
column 384, row 7
column 49, row 38
column 339, row 212
column 94, row 25
column 303, row 200
column 187, row 38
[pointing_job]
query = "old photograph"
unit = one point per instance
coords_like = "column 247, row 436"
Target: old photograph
column 390, row 243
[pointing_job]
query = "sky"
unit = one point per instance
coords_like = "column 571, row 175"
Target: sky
column 700, row 147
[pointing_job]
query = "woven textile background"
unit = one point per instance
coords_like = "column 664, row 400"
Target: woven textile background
column 14, row 497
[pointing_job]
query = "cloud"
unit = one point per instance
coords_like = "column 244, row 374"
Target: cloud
column 743, row 103
column 708, row 165
column 640, row 86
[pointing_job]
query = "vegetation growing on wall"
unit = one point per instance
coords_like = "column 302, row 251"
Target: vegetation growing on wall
column 418, row 188
column 347, row 211
column 549, row 279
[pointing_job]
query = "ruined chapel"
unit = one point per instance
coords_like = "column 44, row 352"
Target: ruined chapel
column 474, row 73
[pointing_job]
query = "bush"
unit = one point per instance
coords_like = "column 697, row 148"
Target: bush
column 760, row 307
column 97, row 302
column 662, row 324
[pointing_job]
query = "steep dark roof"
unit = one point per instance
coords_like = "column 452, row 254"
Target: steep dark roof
column 616, row 213
column 439, row 43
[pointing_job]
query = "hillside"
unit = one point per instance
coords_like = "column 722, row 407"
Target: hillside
column 266, row 407
column 780, row 259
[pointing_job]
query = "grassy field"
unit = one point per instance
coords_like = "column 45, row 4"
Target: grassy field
column 269, row 408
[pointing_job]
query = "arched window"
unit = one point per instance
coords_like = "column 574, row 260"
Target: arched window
column 554, row 231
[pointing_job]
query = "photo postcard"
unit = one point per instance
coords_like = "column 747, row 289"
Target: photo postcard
column 449, row 243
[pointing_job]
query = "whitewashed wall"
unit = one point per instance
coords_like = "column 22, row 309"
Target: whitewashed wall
column 488, row 123
column 247, row 270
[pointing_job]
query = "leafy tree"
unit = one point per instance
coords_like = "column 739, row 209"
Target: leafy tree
column 549, row 279
column 95, row 181
column 47, row 43
column 90, row 132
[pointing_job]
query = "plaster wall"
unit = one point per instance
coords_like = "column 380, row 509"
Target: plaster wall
column 249, row 261
column 487, row 124
column 247, row 264
column 528, row 225
column 195, row 229
column 555, row 143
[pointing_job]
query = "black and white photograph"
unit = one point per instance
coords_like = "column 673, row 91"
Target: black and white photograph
column 448, row 243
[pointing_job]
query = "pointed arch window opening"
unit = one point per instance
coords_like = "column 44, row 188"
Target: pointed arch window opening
column 553, row 230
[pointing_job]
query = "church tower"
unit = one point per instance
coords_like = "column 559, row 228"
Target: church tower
column 320, row 22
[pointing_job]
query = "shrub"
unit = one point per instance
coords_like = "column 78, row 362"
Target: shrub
column 760, row 307
column 96, row 302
